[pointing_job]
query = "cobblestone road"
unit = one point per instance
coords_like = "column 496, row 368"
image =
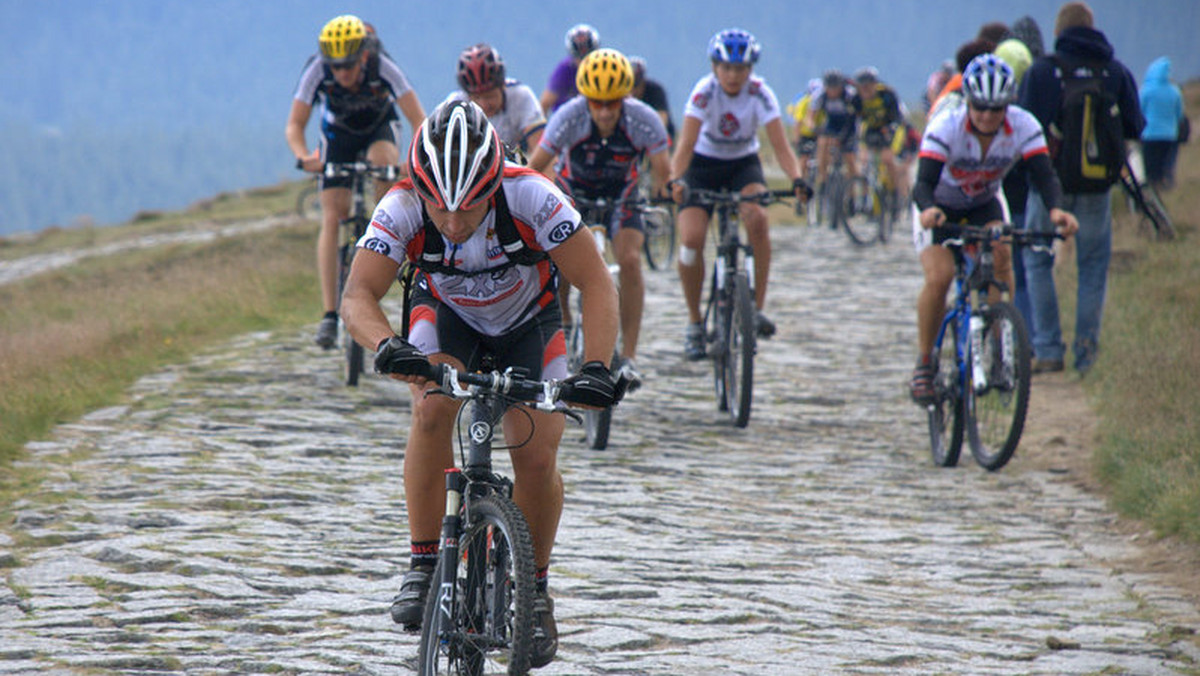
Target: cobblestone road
column 243, row 514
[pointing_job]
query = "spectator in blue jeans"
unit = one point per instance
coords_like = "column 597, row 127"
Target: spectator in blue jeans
column 1041, row 94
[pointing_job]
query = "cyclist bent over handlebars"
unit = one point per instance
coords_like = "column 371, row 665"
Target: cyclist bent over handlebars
column 475, row 296
column 964, row 156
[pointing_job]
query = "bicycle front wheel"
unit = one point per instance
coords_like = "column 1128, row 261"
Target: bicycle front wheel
column 598, row 422
column 308, row 202
column 739, row 356
column 484, row 624
column 861, row 212
column 659, row 245
column 997, row 406
column 946, row 413
column 352, row 229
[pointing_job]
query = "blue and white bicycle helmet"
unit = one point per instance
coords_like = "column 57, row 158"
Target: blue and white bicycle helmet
column 988, row 81
column 733, row 45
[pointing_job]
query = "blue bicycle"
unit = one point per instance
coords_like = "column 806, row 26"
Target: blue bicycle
column 982, row 384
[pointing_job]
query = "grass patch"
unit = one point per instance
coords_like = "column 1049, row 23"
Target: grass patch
column 1144, row 385
column 74, row 340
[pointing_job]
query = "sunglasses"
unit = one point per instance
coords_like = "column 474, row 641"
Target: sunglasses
column 989, row 109
column 604, row 105
column 343, row 66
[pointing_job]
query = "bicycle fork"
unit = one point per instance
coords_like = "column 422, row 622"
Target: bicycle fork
column 456, row 484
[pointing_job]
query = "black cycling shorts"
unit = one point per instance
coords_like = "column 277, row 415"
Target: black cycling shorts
column 339, row 145
column 537, row 344
column 992, row 210
column 709, row 173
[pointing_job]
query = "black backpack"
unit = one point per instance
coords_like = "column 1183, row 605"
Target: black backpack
column 1087, row 139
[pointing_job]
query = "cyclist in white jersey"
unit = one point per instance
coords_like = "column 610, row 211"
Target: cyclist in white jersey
column 718, row 149
column 965, row 153
column 476, row 295
column 599, row 140
column 511, row 107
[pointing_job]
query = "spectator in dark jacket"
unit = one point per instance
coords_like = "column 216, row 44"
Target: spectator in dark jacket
column 1076, row 41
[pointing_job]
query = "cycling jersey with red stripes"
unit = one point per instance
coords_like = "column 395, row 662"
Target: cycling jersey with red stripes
column 491, row 303
column 967, row 179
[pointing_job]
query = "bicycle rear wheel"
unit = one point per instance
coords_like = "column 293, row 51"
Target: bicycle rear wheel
column 485, row 624
column 887, row 213
column 860, row 212
column 659, row 245
column 739, row 353
column 946, row 414
column 996, row 408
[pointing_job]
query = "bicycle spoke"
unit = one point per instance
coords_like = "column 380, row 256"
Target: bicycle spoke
column 996, row 415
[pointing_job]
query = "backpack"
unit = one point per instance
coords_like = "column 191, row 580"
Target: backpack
column 1087, row 139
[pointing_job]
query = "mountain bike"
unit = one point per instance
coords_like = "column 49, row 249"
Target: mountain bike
column 595, row 213
column 308, row 200
column 1143, row 198
column 868, row 211
column 479, row 617
column 981, row 390
column 658, row 225
column 351, row 229
column 730, row 312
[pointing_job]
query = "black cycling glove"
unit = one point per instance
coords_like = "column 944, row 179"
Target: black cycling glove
column 803, row 186
column 592, row 386
column 397, row 355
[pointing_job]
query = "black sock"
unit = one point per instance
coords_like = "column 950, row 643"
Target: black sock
column 424, row 554
column 541, row 579
column 332, row 314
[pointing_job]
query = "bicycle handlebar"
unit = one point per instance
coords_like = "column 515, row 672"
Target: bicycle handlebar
column 542, row 394
column 637, row 202
column 386, row 172
column 716, row 197
column 1020, row 236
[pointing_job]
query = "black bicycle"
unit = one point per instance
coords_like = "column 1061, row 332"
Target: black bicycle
column 1143, row 199
column 479, row 616
column 729, row 316
column 351, row 229
column 981, row 388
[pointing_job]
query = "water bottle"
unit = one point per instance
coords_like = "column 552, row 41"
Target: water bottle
column 976, row 335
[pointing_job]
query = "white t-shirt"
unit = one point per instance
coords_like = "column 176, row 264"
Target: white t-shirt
column 729, row 124
column 521, row 111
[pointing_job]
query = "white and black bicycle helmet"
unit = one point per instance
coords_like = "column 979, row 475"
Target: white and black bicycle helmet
column 988, row 81
column 456, row 159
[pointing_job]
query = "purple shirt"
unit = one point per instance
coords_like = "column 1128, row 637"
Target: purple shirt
column 562, row 81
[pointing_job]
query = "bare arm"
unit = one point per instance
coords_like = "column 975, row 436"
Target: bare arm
column 683, row 152
column 777, row 135
column 542, row 160
column 371, row 276
column 548, row 100
column 294, row 133
column 660, row 171
column 410, row 105
column 580, row 262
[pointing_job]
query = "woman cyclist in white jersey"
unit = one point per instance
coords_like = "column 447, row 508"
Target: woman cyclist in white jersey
column 718, row 149
column 964, row 156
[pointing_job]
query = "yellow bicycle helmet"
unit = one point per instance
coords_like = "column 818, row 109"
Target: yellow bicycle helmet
column 342, row 39
column 604, row 75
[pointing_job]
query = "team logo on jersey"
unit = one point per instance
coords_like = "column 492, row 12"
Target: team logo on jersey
column 561, row 232
column 378, row 246
column 700, row 100
column 729, row 125
column 547, row 210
